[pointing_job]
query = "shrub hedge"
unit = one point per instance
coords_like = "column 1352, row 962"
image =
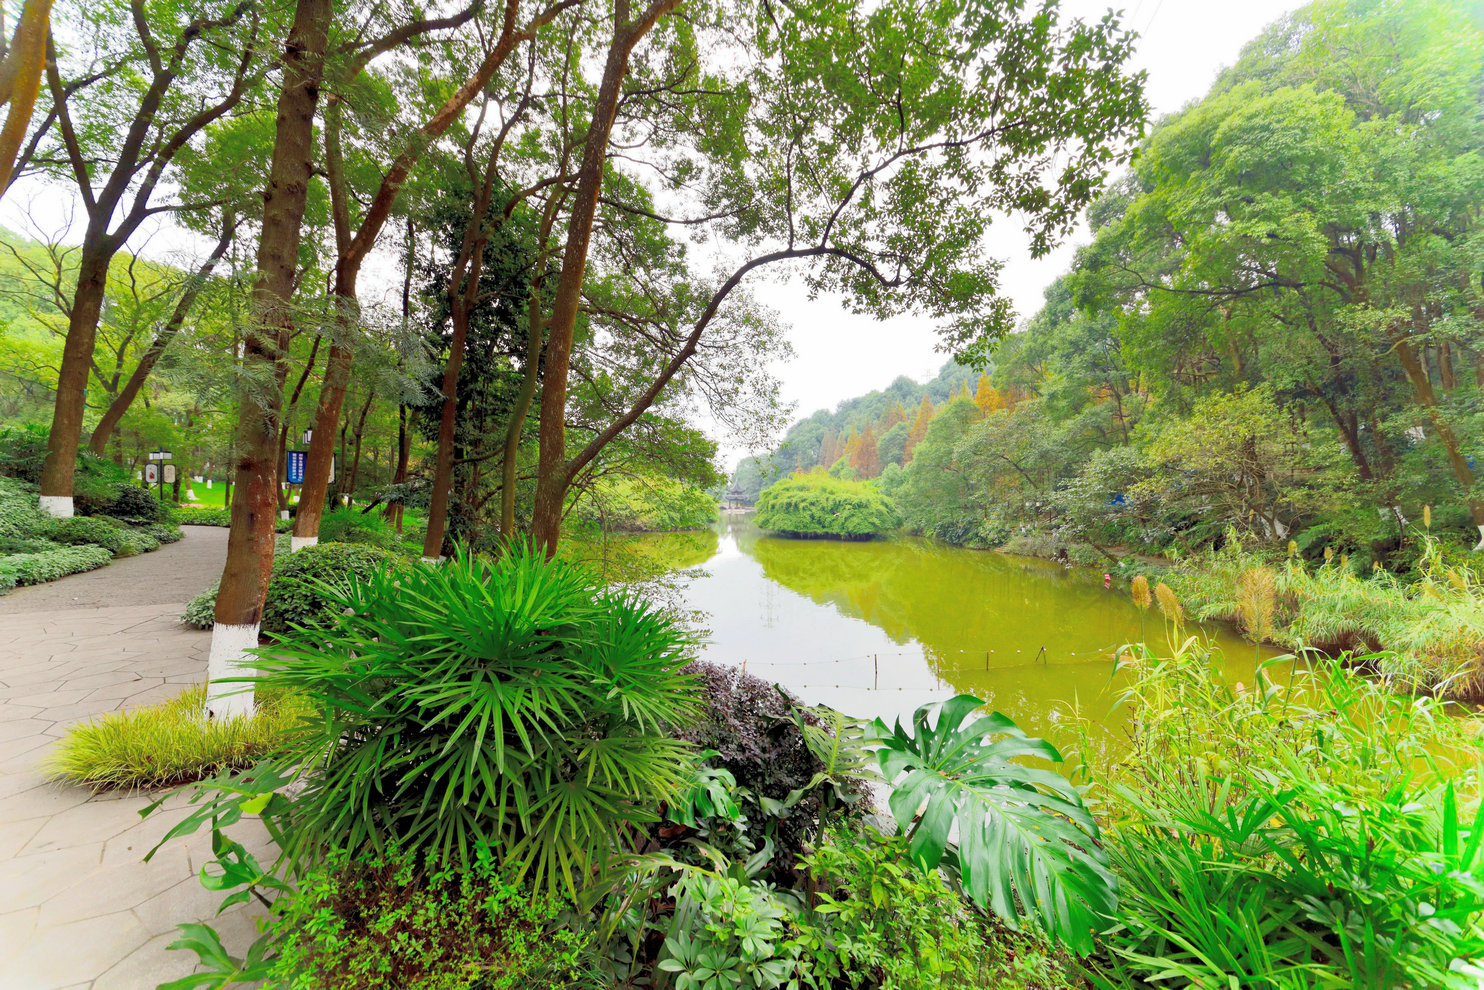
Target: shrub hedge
column 133, row 504
column 34, row 568
column 97, row 530
column 293, row 592
column 201, row 515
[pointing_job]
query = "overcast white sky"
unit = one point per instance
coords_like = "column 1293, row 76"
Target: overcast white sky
column 1183, row 45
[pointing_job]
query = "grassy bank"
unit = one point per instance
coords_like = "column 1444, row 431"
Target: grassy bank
column 1428, row 631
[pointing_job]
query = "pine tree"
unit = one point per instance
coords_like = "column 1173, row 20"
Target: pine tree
column 919, row 426
column 867, row 457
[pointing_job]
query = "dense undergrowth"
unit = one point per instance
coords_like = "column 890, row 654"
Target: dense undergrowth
column 514, row 773
column 35, row 548
column 1311, row 829
column 498, row 734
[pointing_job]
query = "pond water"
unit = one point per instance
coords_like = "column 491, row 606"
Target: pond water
column 876, row 629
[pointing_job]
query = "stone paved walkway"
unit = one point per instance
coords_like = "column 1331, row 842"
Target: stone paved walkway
column 78, row 905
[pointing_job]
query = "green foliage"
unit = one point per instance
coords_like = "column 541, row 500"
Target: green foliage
column 200, row 515
column 1431, row 628
column 1025, row 846
column 48, row 565
column 821, row 506
column 648, row 503
column 303, row 590
column 516, row 705
column 396, row 923
column 729, row 934
column 134, row 505
column 1310, row 837
column 200, row 612
column 353, row 526
column 172, row 742
column 882, row 920
column 19, row 516
column 98, row 530
column 22, row 452
column 165, row 532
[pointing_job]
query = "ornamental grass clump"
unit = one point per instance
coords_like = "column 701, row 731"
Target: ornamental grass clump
column 515, row 705
column 172, row 742
column 1426, row 634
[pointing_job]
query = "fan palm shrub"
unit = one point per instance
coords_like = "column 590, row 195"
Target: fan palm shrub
column 517, row 705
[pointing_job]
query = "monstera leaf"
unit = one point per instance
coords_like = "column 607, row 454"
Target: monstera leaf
column 1025, row 844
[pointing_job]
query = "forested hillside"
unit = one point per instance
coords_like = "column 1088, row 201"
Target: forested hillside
column 1278, row 327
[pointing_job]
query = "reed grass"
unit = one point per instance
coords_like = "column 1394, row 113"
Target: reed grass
column 1427, row 634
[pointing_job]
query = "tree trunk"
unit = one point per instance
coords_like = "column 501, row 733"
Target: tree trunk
column 1422, row 386
column 535, row 333
column 443, row 472
column 120, row 405
column 355, row 464
column 352, row 251
column 551, row 470
column 20, row 81
column 404, row 448
column 72, row 380
column 244, row 584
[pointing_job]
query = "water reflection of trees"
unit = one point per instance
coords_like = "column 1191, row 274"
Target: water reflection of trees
column 965, row 608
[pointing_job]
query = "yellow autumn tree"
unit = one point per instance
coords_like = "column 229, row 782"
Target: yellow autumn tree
column 919, row 427
column 866, row 460
column 987, row 397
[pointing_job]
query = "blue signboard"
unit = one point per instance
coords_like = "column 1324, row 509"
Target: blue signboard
column 296, row 460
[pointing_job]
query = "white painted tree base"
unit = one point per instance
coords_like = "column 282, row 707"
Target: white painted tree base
column 297, row 543
column 229, row 659
column 1481, row 539
column 56, row 506
column 433, row 560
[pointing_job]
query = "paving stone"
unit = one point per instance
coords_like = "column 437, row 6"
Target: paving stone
column 78, row 905
column 41, row 802
column 148, row 966
column 63, row 955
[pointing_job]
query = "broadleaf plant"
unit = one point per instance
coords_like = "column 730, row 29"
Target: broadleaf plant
column 1019, row 836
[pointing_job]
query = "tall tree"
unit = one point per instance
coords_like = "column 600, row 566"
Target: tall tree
column 900, row 188
column 172, row 76
column 920, row 423
column 354, row 245
column 244, row 583
column 22, row 66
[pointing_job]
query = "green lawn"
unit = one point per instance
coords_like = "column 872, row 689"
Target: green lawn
column 209, row 497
